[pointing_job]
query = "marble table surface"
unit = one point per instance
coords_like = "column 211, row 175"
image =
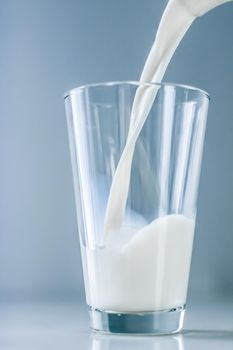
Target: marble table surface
column 64, row 325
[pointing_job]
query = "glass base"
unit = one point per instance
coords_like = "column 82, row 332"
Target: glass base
column 157, row 322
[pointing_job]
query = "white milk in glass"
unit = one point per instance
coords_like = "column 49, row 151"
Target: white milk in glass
column 144, row 267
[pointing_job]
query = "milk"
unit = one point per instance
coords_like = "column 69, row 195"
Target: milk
column 144, row 268
column 147, row 273
column 176, row 20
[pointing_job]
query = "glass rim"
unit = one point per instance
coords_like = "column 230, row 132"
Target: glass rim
column 77, row 89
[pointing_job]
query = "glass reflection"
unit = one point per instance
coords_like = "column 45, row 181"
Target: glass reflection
column 117, row 342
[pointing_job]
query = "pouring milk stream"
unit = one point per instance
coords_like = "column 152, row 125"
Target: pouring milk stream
column 176, row 20
column 149, row 270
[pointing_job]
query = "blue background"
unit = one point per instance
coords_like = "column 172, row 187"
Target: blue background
column 48, row 47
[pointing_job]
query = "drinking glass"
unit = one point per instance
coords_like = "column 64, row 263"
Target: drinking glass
column 136, row 277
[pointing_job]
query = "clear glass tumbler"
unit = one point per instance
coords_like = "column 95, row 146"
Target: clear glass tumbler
column 136, row 276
